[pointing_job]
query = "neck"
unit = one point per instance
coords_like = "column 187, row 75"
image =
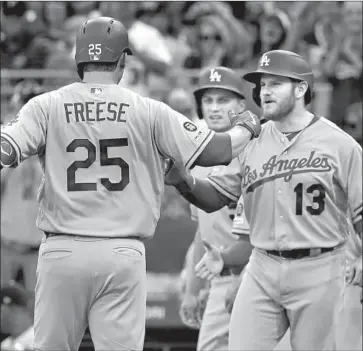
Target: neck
column 295, row 121
column 100, row 78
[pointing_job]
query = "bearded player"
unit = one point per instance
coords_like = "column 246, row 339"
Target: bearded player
column 300, row 181
column 102, row 149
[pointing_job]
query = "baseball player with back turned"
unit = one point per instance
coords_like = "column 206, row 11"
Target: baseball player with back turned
column 300, row 181
column 102, row 149
column 219, row 90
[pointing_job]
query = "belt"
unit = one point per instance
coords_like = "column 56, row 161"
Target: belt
column 226, row 272
column 49, row 235
column 300, row 253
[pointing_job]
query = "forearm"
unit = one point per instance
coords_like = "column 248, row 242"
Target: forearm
column 237, row 254
column 224, row 147
column 201, row 194
column 331, row 59
column 240, row 137
column 293, row 35
column 194, row 283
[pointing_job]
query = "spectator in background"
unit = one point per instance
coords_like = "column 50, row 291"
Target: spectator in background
column 183, row 101
column 85, row 8
column 215, row 45
column 273, row 31
column 61, row 57
column 14, row 35
column 342, row 62
column 52, row 42
column 16, row 317
column 20, row 240
column 352, row 122
column 55, row 14
column 222, row 40
column 147, row 44
column 279, row 31
column 168, row 20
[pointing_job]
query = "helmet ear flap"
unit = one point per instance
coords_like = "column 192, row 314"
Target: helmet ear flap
column 199, row 110
column 256, row 95
column 80, row 70
column 198, row 103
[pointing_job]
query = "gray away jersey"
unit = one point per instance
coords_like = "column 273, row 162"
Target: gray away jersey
column 298, row 193
column 102, row 149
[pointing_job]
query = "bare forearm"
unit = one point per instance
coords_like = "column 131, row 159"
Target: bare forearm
column 237, row 254
column 224, row 147
column 240, row 137
column 331, row 59
column 201, row 194
column 194, row 283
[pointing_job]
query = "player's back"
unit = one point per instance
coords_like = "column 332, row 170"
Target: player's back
column 103, row 171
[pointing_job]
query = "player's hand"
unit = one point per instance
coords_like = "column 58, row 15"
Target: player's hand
column 211, row 263
column 231, row 294
column 247, row 120
column 354, row 272
column 190, row 311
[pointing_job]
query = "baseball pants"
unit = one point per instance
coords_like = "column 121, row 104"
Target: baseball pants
column 213, row 334
column 99, row 282
column 306, row 295
column 350, row 326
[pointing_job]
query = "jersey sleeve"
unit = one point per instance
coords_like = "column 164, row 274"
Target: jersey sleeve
column 177, row 137
column 227, row 179
column 352, row 174
column 27, row 131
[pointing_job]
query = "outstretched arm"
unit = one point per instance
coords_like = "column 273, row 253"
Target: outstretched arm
column 224, row 147
column 198, row 192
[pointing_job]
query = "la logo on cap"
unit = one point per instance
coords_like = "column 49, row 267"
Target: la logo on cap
column 214, row 76
column 265, row 61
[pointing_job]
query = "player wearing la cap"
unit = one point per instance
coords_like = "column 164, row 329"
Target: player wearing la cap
column 299, row 180
column 102, row 148
column 219, row 90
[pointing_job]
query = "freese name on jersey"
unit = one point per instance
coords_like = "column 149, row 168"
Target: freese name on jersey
column 95, row 111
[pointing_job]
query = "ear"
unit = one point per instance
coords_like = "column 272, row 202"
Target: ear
column 242, row 104
column 301, row 89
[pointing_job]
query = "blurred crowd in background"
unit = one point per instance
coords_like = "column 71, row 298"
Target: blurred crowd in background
column 169, row 38
column 171, row 42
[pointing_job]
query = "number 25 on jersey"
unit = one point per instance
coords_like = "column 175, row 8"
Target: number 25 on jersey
column 105, row 160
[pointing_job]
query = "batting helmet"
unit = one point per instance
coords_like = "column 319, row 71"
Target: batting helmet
column 282, row 63
column 217, row 77
column 101, row 39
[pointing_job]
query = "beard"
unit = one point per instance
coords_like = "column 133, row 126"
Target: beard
column 279, row 111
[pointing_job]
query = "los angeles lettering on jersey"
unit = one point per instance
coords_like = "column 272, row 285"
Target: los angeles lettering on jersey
column 286, row 168
column 91, row 111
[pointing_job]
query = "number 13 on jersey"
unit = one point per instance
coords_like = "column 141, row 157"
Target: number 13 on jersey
column 103, row 149
column 317, row 194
